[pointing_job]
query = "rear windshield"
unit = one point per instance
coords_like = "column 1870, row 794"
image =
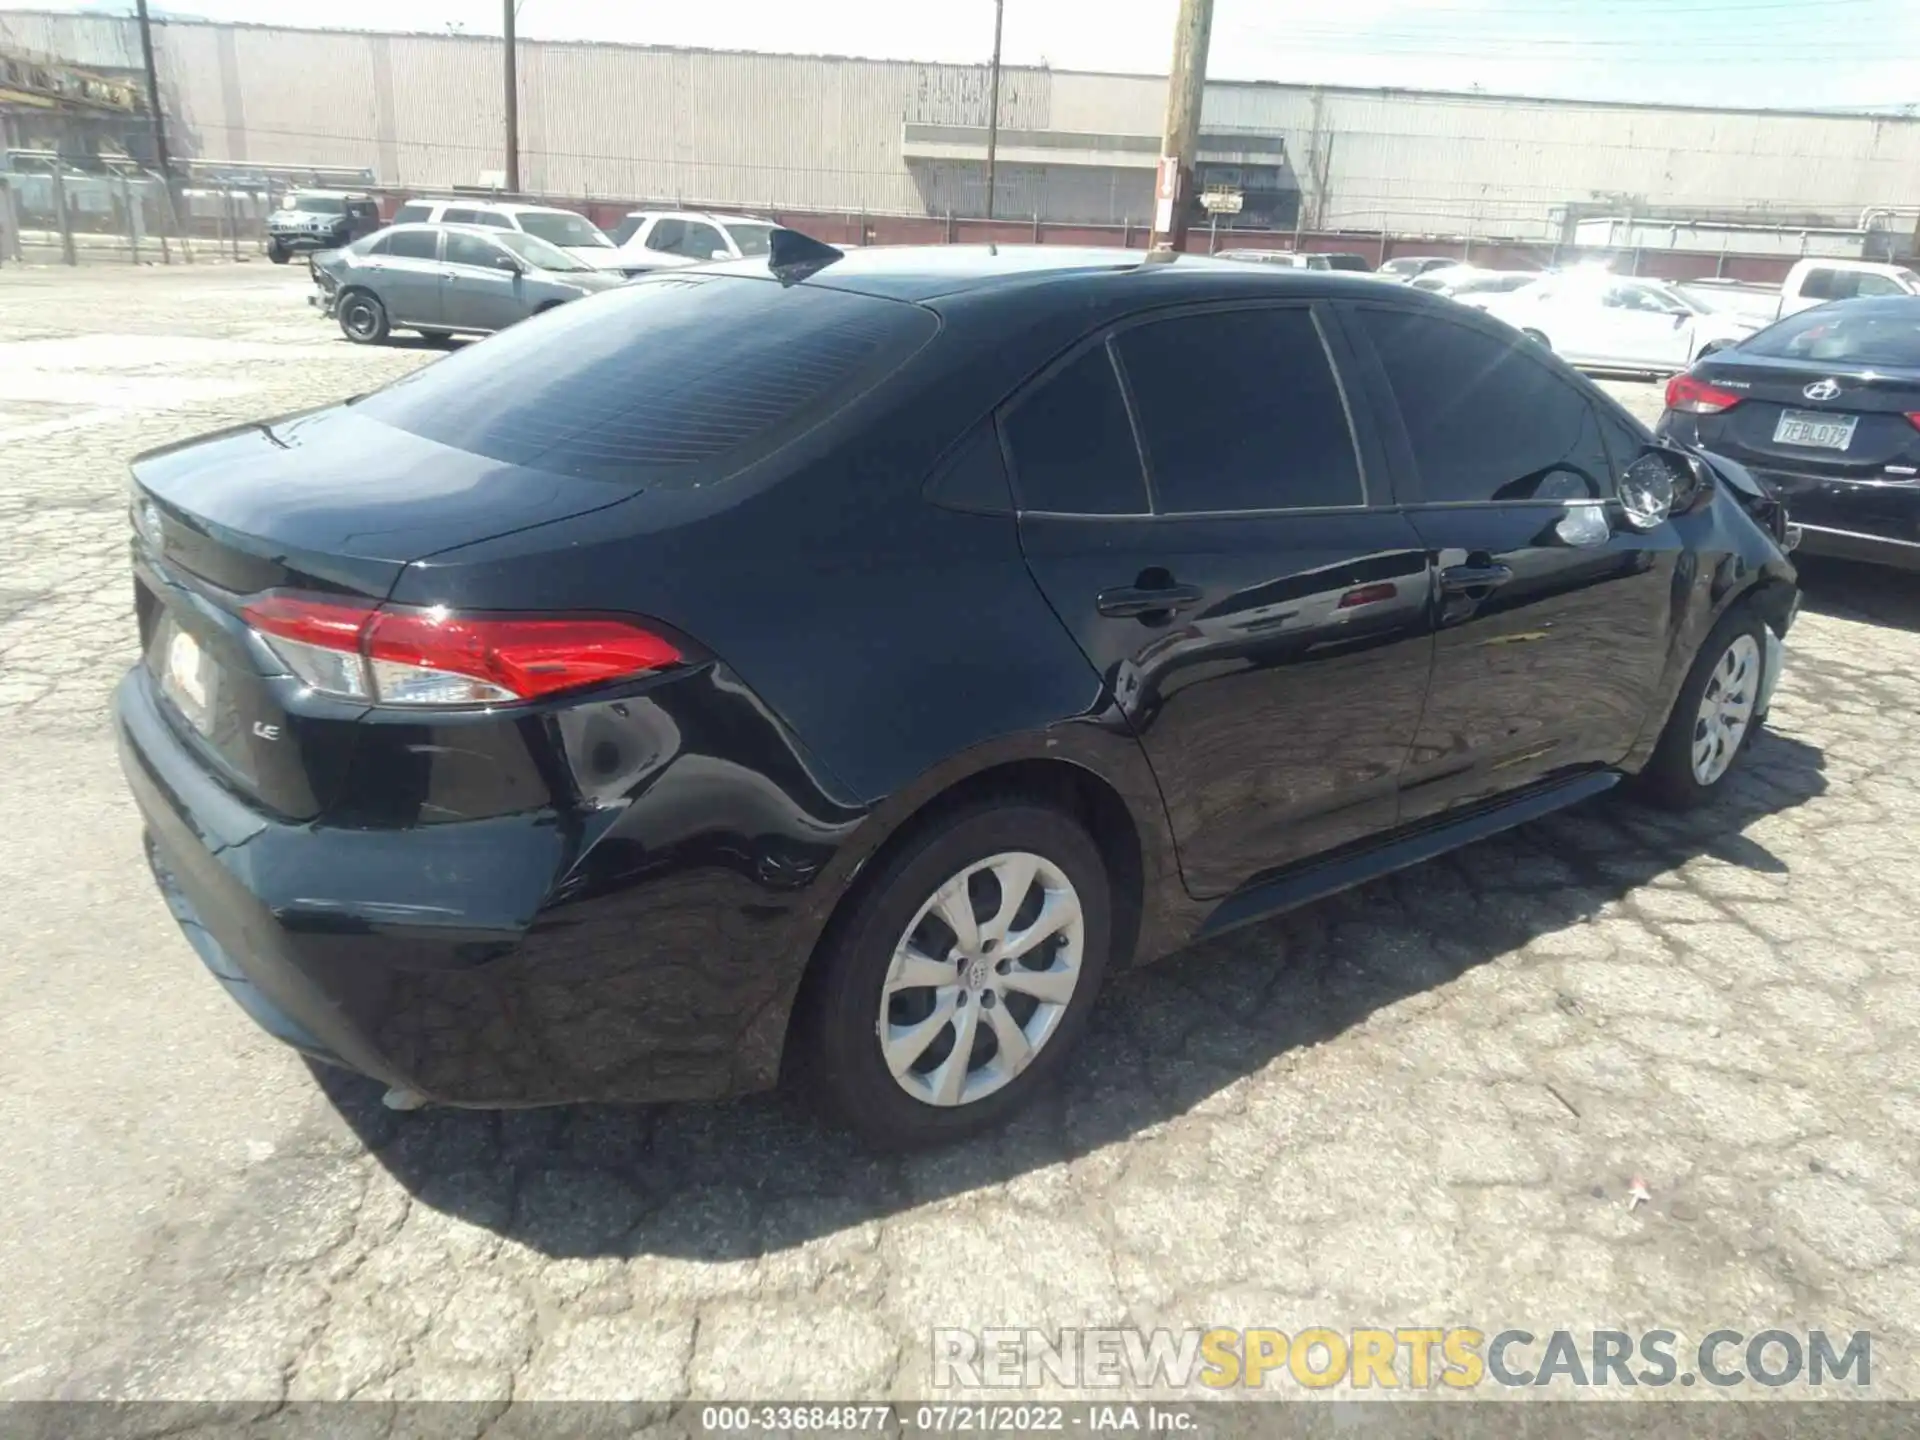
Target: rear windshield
column 658, row 381
column 1845, row 334
column 561, row 229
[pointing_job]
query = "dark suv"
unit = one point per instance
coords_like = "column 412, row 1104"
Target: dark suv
column 320, row 220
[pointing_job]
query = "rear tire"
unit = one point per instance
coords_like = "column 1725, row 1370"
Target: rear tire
column 363, row 319
column 899, row 987
column 277, row 254
column 1714, row 717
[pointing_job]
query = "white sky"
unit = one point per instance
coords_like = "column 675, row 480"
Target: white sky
column 1855, row 53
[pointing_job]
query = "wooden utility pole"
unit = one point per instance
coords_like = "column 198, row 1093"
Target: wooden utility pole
column 993, row 101
column 159, row 126
column 1179, row 147
column 513, row 104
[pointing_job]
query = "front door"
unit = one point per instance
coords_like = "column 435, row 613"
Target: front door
column 1551, row 615
column 1260, row 623
column 1642, row 328
column 476, row 292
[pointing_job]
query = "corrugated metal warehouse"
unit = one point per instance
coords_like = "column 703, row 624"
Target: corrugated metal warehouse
column 814, row 133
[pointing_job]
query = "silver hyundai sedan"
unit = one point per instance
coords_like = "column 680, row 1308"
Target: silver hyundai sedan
column 446, row 279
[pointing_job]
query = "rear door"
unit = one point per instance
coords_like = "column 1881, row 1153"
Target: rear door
column 409, row 282
column 1255, row 606
column 1551, row 619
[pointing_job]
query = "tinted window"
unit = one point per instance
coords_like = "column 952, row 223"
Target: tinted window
column 458, row 216
column 413, row 244
column 1239, row 411
column 412, row 212
column 1072, row 444
column 700, row 241
column 1485, row 419
column 627, row 229
column 1818, row 284
column 657, row 383
column 666, row 236
column 1886, row 335
column 470, row 250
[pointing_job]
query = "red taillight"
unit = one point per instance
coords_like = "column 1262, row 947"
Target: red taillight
column 437, row 657
column 1913, row 418
column 1696, row 397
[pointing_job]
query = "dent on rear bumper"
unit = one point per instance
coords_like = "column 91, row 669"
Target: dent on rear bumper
column 519, row 960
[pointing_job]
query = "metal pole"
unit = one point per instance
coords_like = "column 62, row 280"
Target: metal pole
column 60, row 214
column 159, row 114
column 1180, row 136
column 993, row 102
column 513, row 104
column 133, row 217
column 1213, row 233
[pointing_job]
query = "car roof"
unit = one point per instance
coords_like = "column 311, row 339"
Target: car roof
column 722, row 216
column 928, row 272
column 469, row 203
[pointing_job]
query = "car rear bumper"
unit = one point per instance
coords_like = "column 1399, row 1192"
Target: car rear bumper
column 477, row 963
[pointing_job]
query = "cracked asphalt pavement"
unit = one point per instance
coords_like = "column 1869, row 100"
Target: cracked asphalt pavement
column 1422, row 1102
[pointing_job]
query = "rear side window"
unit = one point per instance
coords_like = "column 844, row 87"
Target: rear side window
column 1239, row 410
column 412, row 213
column 1485, row 419
column 627, row 229
column 1072, row 446
column 413, row 244
column 658, row 382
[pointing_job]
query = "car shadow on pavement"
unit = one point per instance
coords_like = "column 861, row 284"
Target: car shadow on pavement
column 1849, row 590
column 750, row 1178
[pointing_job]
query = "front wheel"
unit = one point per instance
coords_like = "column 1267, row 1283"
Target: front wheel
column 962, row 977
column 277, row 254
column 1714, row 716
column 363, row 319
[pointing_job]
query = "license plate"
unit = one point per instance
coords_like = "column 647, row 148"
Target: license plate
column 1815, row 431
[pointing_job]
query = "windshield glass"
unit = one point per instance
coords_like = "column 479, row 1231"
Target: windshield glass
column 537, row 252
column 318, row 204
column 560, row 228
column 1846, row 334
column 752, row 239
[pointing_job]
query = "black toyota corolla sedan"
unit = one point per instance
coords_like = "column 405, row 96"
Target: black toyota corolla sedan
column 835, row 666
column 1824, row 408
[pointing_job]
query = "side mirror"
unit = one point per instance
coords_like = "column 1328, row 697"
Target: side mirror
column 1651, row 484
column 509, row 263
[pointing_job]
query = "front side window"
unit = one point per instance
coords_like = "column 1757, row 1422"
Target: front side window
column 1871, row 284
column 412, row 213
column 470, row 250
column 414, row 244
column 627, row 229
column 1071, row 443
column 751, row 239
column 1485, row 419
column 537, row 252
column 1239, row 410
column 701, row 241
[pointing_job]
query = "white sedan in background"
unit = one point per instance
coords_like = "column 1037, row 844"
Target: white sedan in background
column 1605, row 322
column 1473, row 286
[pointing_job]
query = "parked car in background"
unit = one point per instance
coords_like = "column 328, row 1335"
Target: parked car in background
column 573, row 719
column 1753, row 299
column 1602, row 321
column 310, row 220
column 1472, row 286
column 1346, row 260
column 1824, row 407
column 447, row 279
column 572, row 232
column 1407, row 267
column 668, row 239
column 1815, row 282
column 1285, row 259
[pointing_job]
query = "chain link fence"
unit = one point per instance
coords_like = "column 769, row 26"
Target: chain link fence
column 54, row 213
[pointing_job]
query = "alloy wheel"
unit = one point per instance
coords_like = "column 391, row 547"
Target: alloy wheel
column 1726, row 709
column 359, row 318
column 981, row 979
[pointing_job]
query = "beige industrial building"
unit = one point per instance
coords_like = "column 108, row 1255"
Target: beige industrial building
column 884, row 137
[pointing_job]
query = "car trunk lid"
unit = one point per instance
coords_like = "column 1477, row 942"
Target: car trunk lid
column 331, row 503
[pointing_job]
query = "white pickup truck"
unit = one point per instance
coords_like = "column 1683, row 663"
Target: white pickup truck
column 1809, row 283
